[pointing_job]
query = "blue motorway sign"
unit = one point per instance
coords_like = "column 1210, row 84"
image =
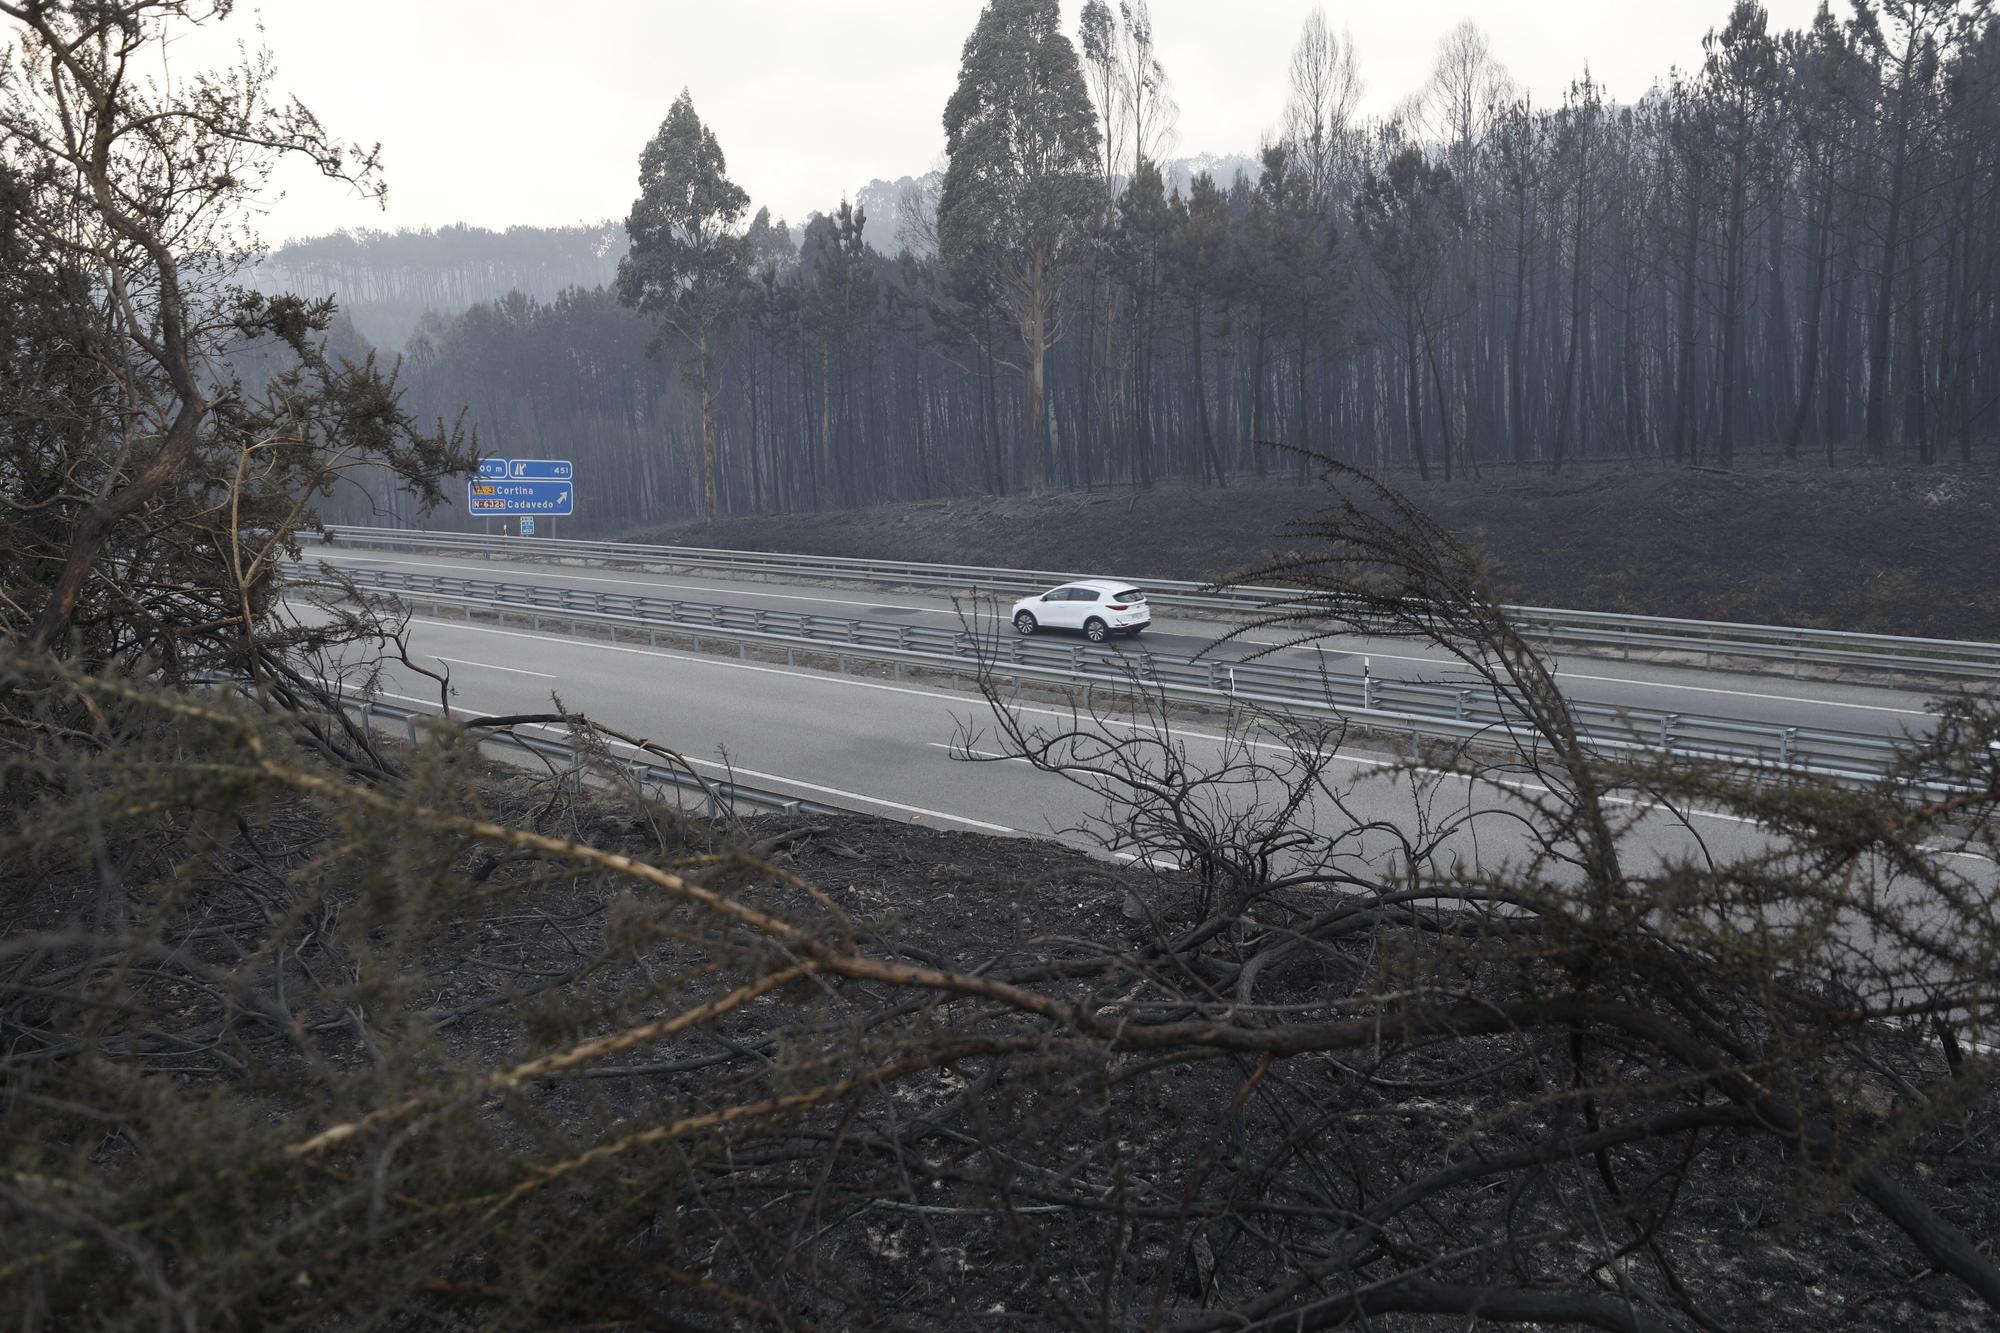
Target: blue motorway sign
column 527, row 525
column 493, row 467
column 538, row 469
column 552, row 498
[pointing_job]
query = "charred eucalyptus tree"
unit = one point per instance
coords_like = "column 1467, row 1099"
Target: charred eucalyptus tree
column 686, row 260
column 1020, row 190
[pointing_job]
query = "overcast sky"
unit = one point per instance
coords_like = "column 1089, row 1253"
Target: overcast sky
column 498, row 112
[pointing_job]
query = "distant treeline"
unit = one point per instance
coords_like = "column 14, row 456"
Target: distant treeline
column 387, row 281
column 1786, row 249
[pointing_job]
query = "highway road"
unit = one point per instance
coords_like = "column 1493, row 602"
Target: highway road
column 894, row 749
column 885, row 748
column 1747, row 695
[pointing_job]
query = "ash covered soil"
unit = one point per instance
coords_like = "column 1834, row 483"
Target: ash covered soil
column 1761, row 1244
column 1030, row 1182
column 1887, row 550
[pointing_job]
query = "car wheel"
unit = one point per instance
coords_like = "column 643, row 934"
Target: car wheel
column 1096, row 630
column 1024, row 624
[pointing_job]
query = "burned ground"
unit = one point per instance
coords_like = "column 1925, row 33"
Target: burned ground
column 1876, row 549
column 1033, row 1179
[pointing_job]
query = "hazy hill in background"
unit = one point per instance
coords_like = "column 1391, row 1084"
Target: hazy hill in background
column 1221, row 168
column 385, row 281
column 882, row 201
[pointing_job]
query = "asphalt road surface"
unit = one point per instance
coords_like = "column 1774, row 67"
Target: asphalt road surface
column 895, row 750
column 900, row 750
column 1763, row 697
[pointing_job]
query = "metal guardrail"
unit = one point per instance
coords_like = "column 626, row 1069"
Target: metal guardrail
column 1385, row 704
column 713, row 794
column 1586, row 631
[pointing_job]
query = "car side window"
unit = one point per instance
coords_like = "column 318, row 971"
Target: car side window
column 1083, row 594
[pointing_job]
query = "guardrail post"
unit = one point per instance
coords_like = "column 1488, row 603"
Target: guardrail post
column 1787, row 742
column 1367, row 686
column 1464, row 696
column 1668, row 721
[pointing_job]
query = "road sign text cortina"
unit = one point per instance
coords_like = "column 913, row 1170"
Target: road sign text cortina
column 554, row 499
column 522, row 486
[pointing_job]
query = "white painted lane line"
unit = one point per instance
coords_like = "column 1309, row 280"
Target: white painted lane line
column 1158, row 863
column 977, row 754
column 1947, row 851
column 857, row 796
column 493, row 666
column 1511, row 784
column 1357, row 761
column 651, row 583
column 734, row 770
column 399, row 698
column 1745, row 694
column 693, row 659
column 1638, row 681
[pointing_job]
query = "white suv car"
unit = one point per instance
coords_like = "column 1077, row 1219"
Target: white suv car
column 1098, row 607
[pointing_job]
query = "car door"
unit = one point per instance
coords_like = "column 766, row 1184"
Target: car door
column 1082, row 606
column 1058, row 609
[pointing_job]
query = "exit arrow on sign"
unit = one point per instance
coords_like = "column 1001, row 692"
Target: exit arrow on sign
column 554, row 499
column 539, row 469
